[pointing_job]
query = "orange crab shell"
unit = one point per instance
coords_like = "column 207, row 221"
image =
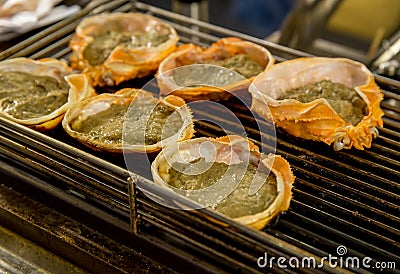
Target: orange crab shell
column 123, row 63
column 79, row 87
column 188, row 54
column 125, row 96
column 225, row 146
column 317, row 120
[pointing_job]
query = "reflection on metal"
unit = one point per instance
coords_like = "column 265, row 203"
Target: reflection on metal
column 306, row 22
column 388, row 62
column 132, row 203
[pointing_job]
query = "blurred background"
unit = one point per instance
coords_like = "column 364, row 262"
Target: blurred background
column 364, row 30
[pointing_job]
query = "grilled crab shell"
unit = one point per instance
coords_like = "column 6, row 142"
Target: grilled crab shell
column 231, row 149
column 189, row 54
column 79, row 87
column 126, row 96
column 123, row 63
column 317, row 120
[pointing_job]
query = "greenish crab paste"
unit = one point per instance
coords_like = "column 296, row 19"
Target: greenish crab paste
column 238, row 203
column 141, row 126
column 345, row 101
column 241, row 63
column 105, row 42
column 191, row 76
column 26, row 96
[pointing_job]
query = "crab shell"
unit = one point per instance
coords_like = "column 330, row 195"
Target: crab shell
column 231, row 149
column 80, row 87
column 123, row 63
column 317, row 120
column 189, row 54
column 125, row 96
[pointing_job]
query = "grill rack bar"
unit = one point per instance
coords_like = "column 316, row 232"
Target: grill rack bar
column 83, row 172
column 322, row 159
column 295, row 152
column 242, row 235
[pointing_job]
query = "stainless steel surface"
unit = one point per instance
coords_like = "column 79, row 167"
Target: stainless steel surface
column 306, row 22
column 19, row 255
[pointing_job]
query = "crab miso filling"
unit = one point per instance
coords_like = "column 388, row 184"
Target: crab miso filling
column 345, row 101
column 107, row 126
column 238, row 203
column 106, row 41
column 198, row 75
column 26, row 96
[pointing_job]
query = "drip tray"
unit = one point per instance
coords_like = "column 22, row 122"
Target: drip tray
column 58, row 240
column 19, row 255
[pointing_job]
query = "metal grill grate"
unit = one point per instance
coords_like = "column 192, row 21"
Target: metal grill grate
column 348, row 198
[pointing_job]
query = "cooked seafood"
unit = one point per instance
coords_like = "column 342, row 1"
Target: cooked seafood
column 205, row 79
column 345, row 101
column 333, row 100
column 222, row 173
column 112, row 48
column 38, row 93
column 131, row 120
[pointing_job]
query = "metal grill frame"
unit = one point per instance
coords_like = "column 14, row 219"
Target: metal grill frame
column 111, row 188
